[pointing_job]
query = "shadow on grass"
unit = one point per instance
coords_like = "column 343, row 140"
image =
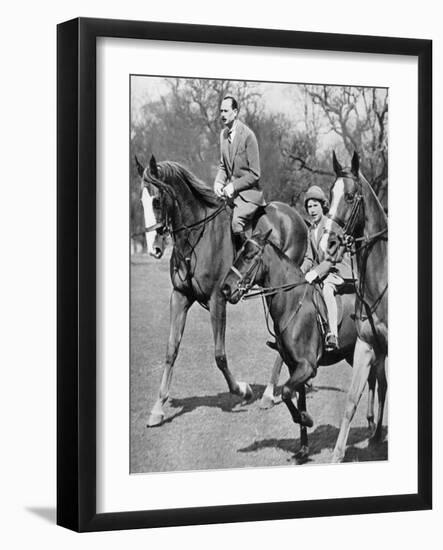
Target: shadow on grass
column 326, row 388
column 224, row 401
column 311, row 389
column 359, row 449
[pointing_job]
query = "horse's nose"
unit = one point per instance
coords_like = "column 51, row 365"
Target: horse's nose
column 156, row 252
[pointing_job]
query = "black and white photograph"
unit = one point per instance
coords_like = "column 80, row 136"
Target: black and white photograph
column 258, row 273
column 209, row 213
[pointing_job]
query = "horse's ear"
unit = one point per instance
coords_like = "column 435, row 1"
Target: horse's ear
column 261, row 237
column 153, row 166
column 337, row 166
column 140, row 168
column 355, row 165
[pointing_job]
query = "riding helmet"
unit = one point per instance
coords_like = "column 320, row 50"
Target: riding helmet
column 315, row 192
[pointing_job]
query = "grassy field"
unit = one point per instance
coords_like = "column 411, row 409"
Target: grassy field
column 205, row 427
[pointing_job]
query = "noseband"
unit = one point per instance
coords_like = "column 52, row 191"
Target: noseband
column 162, row 226
column 246, row 281
column 350, row 225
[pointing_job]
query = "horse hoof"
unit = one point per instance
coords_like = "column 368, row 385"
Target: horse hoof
column 155, row 419
column 245, row 392
column 306, row 419
column 337, row 457
column 302, row 455
column 371, row 428
column 266, row 402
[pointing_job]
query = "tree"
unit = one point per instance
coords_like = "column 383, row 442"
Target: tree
column 359, row 116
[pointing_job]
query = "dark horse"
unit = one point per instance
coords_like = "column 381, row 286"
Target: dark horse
column 200, row 226
column 355, row 207
column 297, row 309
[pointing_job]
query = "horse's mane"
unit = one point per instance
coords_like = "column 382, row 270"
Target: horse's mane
column 174, row 173
column 374, row 195
column 347, row 173
column 282, row 256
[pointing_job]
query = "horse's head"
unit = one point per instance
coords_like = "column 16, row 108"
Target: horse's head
column 156, row 199
column 346, row 210
column 247, row 268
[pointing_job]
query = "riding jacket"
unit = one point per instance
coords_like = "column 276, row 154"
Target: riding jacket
column 317, row 258
column 240, row 164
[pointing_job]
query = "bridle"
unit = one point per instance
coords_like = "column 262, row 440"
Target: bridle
column 350, row 225
column 366, row 243
column 184, row 247
column 164, row 226
column 245, row 281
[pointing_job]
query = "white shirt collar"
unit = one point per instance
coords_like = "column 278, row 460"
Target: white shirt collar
column 233, row 130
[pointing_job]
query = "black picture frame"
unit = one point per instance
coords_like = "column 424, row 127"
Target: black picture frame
column 76, row 274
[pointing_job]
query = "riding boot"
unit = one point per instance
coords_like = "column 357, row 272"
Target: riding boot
column 331, row 340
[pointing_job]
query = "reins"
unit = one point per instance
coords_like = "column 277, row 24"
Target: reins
column 200, row 222
column 271, row 291
column 184, row 251
column 268, row 291
column 184, row 257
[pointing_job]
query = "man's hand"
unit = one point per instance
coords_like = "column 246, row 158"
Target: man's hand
column 311, row 276
column 229, row 190
column 218, row 189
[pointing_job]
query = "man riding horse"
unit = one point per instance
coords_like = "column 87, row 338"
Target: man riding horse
column 239, row 169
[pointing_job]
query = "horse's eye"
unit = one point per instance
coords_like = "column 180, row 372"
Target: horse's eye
column 349, row 197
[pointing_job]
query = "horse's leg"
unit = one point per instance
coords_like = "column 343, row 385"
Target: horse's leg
column 371, row 396
column 301, row 374
column 179, row 306
column 268, row 398
column 363, row 360
column 382, row 387
column 303, row 453
column 217, row 309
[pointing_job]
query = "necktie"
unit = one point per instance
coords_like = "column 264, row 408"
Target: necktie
column 230, row 136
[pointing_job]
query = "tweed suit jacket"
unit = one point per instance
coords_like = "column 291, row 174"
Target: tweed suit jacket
column 317, row 258
column 240, row 164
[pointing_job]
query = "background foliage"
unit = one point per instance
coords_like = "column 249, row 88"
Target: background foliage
column 297, row 127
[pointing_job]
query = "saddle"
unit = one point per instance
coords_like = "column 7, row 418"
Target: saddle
column 348, row 287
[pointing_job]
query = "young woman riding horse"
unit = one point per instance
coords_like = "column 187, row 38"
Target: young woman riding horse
column 200, row 226
column 296, row 308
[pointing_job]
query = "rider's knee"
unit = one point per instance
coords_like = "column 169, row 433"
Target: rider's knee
column 328, row 289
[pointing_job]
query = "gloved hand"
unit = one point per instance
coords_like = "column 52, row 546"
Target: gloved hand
column 229, row 190
column 311, row 276
column 218, row 189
